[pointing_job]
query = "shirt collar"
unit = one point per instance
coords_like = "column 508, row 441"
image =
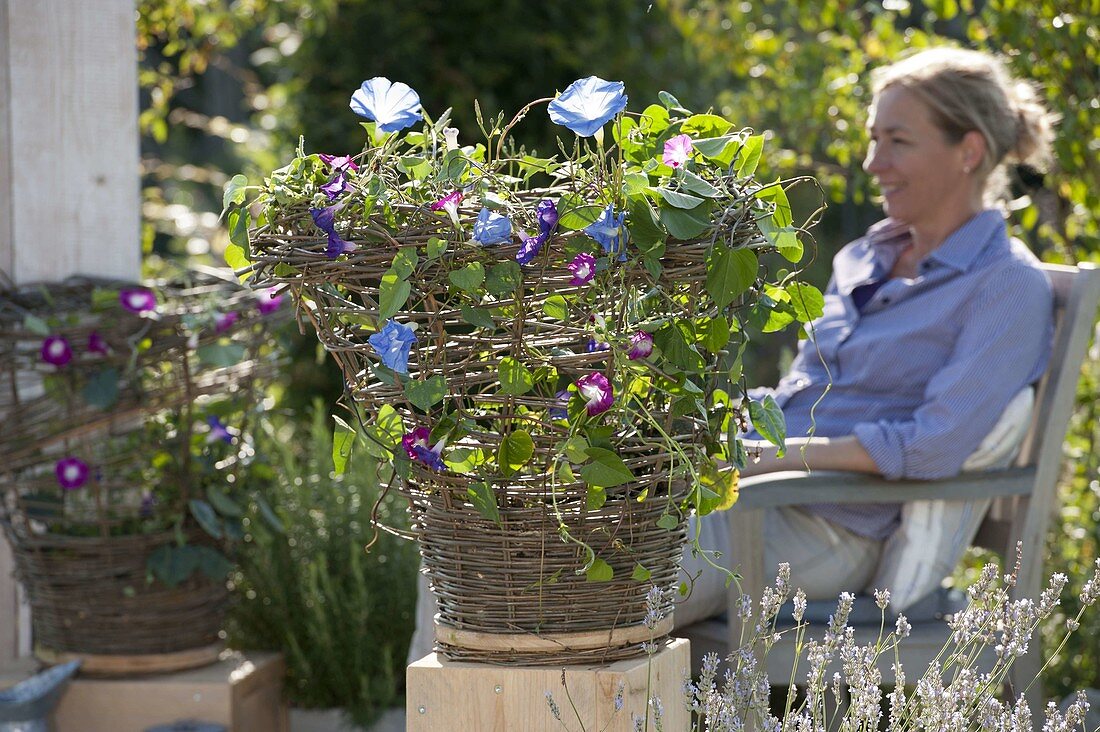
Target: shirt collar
column 874, row 255
column 962, row 246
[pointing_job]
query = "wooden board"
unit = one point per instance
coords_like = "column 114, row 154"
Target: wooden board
column 450, row 695
column 241, row 691
column 69, row 176
column 94, row 664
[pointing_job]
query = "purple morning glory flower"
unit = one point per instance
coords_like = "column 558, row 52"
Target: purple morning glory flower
column 137, row 299
column 225, row 321
column 587, row 104
column 596, row 391
column 325, row 218
column 218, row 431
column 491, row 228
column 677, row 151
column 641, row 345
column 56, row 351
column 583, row 268
column 548, row 216
column 340, row 163
column 418, row 437
column 392, row 344
column 148, row 501
column 416, row 447
column 96, row 344
column 529, row 247
column 593, row 345
column 607, row 230
column 449, row 203
column 269, row 301
column 393, row 105
column 71, row 473
column 559, row 410
column 335, row 187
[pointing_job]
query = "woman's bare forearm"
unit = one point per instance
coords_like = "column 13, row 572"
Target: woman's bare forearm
column 812, row 453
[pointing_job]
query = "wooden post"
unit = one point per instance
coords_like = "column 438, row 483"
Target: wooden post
column 69, row 169
column 453, row 695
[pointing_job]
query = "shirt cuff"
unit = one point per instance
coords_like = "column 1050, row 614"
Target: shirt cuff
column 886, row 454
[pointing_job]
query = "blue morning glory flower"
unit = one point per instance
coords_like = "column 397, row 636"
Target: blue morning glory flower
column 325, row 218
column 392, row 344
column 608, row 232
column 491, row 228
column 218, row 431
column 587, row 104
column 529, row 247
column 393, row 105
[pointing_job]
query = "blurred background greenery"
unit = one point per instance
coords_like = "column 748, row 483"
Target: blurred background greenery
column 228, row 86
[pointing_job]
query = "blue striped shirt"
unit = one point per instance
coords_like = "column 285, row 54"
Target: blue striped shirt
column 920, row 374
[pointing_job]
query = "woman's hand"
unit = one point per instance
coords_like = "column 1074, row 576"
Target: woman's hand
column 809, row 454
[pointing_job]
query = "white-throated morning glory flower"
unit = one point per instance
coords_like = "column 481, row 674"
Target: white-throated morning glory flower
column 393, row 105
column 587, row 104
column 491, row 228
column 137, row 299
column 56, row 351
column 392, row 344
column 596, row 391
column 641, row 345
column 608, row 232
column 449, row 203
column 71, row 473
column 677, row 151
column 325, row 218
column 583, row 268
column 416, row 447
column 529, row 247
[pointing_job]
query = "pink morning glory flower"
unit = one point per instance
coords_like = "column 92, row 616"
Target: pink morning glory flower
column 269, row 301
column 218, row 431
column 225, row 321
column 339, row 163
column 96, row 344
column 393, row 105
column 325, row 219
column 596, row 391
column 56, row 351
column 677, row 151
column 641, row 345
column 583, row 268
column 71, row 473
column 449, row 203
column 416, row 447
column 587, row 104
column 137, row 299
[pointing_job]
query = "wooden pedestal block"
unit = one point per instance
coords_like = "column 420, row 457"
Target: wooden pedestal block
column 241, row 691
column 447, row 695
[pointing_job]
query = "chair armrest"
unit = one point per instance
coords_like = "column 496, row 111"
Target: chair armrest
column 796, row 488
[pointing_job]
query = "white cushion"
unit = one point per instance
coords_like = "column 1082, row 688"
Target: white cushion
column 934, row 534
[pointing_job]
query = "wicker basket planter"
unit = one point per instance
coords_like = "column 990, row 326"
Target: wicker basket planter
column 506, row 377
column 90, row 595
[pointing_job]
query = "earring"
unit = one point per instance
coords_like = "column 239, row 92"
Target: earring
column 966, row 169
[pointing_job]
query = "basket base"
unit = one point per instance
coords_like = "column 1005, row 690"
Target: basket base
column 101, row 664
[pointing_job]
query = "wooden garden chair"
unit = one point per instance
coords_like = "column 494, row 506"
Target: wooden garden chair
column 1023, row 499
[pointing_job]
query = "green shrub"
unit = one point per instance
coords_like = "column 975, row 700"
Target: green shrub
column 341, row 614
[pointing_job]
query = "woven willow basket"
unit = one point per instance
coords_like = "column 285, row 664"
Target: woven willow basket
column 516, row 578
column 82, row 554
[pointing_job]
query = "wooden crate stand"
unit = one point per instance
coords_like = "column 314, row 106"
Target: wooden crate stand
column 453, row 695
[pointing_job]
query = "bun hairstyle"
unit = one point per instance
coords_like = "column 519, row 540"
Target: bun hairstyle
column 973, row 91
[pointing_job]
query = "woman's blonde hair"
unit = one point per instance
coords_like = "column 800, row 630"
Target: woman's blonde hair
column 973, row 91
